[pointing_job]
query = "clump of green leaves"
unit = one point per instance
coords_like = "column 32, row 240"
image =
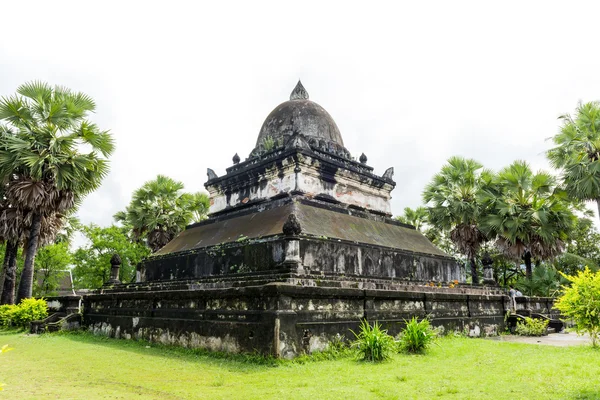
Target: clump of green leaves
column 416, row 337
column 581, row 302
column 532, row 327
column 373, row 343
column 22, row 314
column 268, row 143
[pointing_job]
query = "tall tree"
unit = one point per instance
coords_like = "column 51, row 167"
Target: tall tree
column 452, row 202
column 92, row 261
column 416, row 217
column 577, row 152
column 50, row 158
column 159, row 210
column 526, row 214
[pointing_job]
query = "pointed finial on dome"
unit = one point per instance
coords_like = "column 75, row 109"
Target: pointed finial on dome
column 299, row 93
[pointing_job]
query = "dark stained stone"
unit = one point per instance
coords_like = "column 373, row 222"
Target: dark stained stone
column 300, row 115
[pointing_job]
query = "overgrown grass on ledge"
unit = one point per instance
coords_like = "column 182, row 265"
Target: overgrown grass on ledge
column 76, row 366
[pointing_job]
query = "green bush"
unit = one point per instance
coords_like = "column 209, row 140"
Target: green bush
column 22, row 314
column 416, row 337
column 532, row 327
column 373, row 343
column 581, row 302
column 6, row 314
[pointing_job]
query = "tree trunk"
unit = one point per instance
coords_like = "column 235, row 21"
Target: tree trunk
column 26, row 282
column 10, row 273
column 528, row 268
column 474, row 276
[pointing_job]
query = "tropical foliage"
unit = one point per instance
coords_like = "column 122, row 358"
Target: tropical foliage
column 581, row 302
column 526, row 214
column 451, row 198
column 51, row 156
column 159, row 210
column 372, row 342
column 92, row 261
column 577, row 152
column 52, row 263
column 416, row 337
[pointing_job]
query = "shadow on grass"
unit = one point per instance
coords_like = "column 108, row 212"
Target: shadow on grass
column 586, row 394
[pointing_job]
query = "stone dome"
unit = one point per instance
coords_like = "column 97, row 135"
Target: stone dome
column 300, row 115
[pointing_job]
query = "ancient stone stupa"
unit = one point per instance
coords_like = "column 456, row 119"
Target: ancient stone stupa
column 299, row 246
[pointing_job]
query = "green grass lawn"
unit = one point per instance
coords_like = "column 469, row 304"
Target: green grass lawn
column 86, row 367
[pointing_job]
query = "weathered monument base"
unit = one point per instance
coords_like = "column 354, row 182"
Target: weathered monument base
column 281, row 319
column 299, row 247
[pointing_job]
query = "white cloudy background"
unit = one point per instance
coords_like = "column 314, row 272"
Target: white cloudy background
column 184, row 85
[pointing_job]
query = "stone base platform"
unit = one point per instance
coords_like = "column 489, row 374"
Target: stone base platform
column 282, row 319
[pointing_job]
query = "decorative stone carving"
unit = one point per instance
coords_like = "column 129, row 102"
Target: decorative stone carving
column 389, row 173
column 236, row 159
column 211, row 174
column 488, row 272
column 292, row 227
column 363, row 158
column 297, row 141
column 299, row 93
column 115, row 266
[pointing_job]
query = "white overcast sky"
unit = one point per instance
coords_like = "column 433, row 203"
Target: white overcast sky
column 185, row 85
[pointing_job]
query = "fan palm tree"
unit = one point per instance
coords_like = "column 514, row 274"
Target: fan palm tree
column 526, row 214
column 159, row 210
column 416, row 217
column 42, row 156
column 577, row 152
column 452, row 202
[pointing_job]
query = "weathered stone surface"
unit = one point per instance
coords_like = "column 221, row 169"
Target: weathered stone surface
column 279, row 319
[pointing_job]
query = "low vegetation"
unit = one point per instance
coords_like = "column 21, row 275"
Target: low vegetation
column 416, row 337
column 532, row 327
column 373, row 343
column 20, row 315
column 87, row 367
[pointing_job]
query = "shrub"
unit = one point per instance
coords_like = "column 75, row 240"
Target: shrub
column 417, row 336
column 22, row 314
column 373, row 343
column 581, row 302
column 6, row 314
column 532, row 327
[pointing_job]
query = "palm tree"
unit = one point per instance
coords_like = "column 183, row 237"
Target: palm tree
column 452, row 202
column 526, row 214
column 416, row 217
column 577, row 152
column 42, row 158
column 159, row 210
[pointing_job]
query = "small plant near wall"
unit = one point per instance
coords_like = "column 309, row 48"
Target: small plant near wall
column 532, row 327
column 22, row 314
column 372, row 343
column 416, row 337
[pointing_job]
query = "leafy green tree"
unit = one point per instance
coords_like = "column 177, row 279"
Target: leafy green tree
column 92, row 262
column 453, row 206
column 582, row 248
column 581, row 302
column 577, row 152
column 50, row 157
column 51, row 264
column 526, row 214
column 159, row 210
